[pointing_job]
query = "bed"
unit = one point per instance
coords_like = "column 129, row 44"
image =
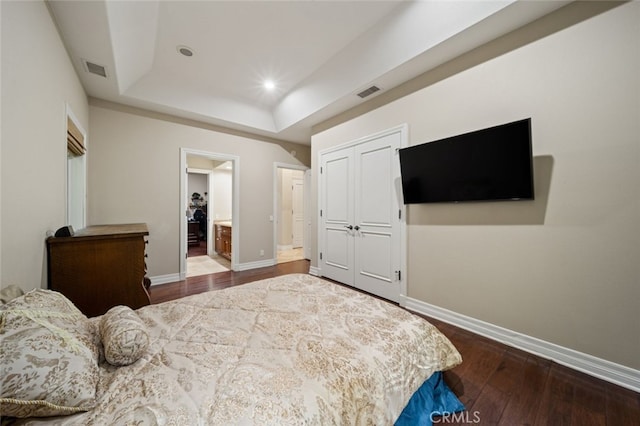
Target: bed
column 290, row 350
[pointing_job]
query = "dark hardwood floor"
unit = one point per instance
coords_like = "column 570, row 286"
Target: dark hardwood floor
column 199, row 284
column 498, row 385
column 199, row 249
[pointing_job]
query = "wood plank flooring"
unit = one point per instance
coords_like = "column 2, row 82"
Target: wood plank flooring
column 199, row 284
column 499, row 385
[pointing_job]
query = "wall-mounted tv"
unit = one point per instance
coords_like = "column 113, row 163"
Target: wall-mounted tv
column 485, row 165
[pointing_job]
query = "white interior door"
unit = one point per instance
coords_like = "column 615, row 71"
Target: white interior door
column 361, row 215
column 297, row 212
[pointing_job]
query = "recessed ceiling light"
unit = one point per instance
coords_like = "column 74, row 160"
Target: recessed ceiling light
column 269, row 85
column 184, row 50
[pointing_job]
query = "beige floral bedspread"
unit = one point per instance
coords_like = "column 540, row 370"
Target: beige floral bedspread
column 292, row 350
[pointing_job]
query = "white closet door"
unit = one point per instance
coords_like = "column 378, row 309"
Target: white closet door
column 337, row 215
column 376, row 217
column 360, row 221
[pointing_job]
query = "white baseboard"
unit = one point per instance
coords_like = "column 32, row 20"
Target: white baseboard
column 315, row 271
column 165, row 279
column 254, row 265
column 606, row 370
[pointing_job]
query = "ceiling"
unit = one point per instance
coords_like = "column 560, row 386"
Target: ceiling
column 318, row 54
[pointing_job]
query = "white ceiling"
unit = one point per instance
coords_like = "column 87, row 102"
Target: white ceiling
column 320, row 53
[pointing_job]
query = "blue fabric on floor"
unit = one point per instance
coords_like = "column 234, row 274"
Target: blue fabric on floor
column 432, row 398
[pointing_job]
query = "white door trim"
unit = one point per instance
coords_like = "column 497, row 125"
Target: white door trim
column 307, row 215
column 403, row 129
column 235, row 230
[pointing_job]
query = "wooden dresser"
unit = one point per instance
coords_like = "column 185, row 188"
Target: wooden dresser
column 100, row 267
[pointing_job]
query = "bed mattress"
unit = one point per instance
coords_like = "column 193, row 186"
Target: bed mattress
column 291, row 350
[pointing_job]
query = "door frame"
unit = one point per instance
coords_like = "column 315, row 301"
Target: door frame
column 403, row 129
column 235, row 196
column 276, row 206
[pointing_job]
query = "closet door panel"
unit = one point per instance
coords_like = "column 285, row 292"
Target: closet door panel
column 372, row 188
column 337, row 215
column 337, row 249
column 338, row 207
column 377, row 241
column 374, row 254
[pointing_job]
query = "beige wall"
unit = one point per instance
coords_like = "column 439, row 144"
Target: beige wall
column 222, row 197
column 564, row 268
column 38, row 80
column 134, row 175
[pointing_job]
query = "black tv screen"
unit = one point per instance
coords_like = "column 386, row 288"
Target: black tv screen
column 485, row 165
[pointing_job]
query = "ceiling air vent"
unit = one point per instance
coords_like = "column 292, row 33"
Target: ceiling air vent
column 370, row 91
column 95, row 68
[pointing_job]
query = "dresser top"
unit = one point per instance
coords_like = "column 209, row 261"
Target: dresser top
column 107, row 231
column 127, row 228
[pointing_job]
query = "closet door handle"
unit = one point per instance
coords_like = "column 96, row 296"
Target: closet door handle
column 356, row 227
column 349, row 227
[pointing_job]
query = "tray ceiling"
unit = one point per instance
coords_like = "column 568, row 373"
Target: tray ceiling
column 318, row 54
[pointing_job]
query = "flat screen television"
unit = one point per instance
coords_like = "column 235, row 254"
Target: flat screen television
column 485, row 165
